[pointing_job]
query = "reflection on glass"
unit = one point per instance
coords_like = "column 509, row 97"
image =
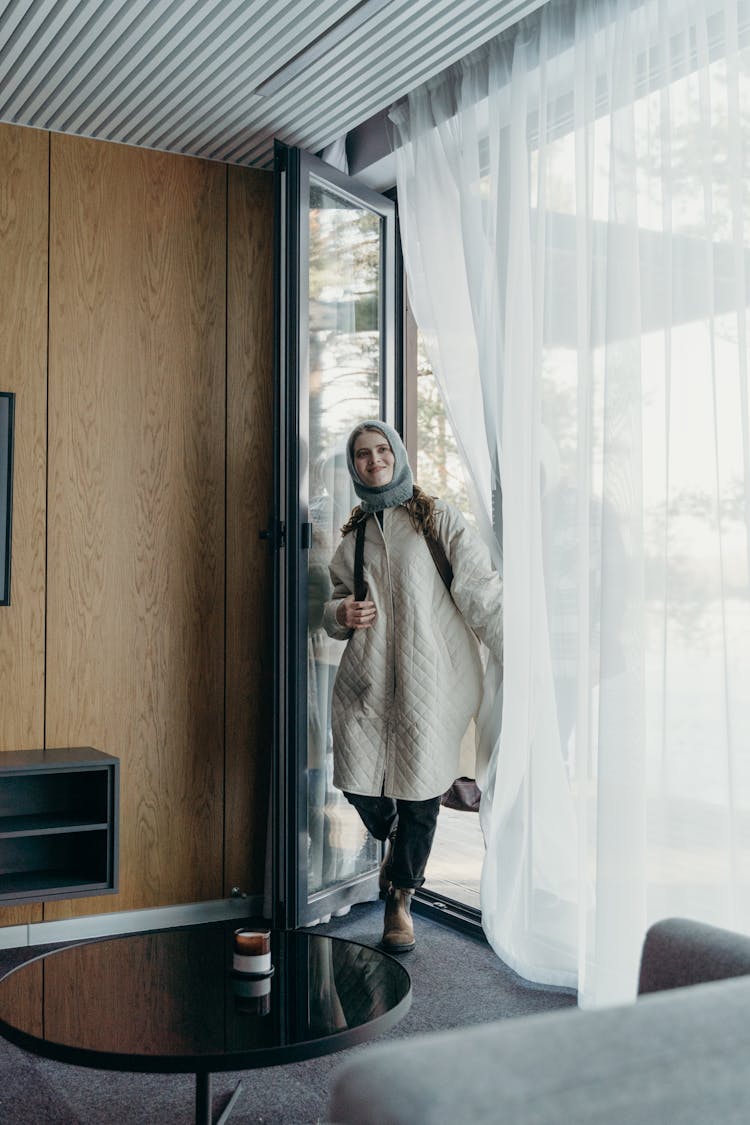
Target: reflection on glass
column 348, row 986
column 174, row 994
column 147, row 994
column 344, row 380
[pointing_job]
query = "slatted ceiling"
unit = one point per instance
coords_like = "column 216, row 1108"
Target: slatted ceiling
column 428, row 38
column 136, row 73
column 223, row 51
column 66, row 41
column 180, row 75
column 416, row 64
column 422, row 40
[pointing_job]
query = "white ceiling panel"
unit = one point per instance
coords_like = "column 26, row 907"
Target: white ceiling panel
column 181, row 75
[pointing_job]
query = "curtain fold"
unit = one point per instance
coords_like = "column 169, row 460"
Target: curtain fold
column 575, row 214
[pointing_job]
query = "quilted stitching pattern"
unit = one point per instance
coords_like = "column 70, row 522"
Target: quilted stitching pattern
column 407, row 687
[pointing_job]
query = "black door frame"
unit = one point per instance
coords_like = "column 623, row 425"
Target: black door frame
column 290, row 531
column 287, row 537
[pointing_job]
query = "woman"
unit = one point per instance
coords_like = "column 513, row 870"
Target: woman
column 410, row 678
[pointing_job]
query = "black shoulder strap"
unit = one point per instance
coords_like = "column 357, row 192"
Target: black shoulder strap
column 360, row 589
column 444, row 568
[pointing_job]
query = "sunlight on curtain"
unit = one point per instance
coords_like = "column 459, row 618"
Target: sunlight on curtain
column 575, row 217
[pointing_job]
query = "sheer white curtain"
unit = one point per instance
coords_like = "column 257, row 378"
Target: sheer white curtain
column 575, row 217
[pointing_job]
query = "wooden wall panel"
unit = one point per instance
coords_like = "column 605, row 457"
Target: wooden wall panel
column 249, row 505
column 136, row 509
column 24, row 168
column 21, row 995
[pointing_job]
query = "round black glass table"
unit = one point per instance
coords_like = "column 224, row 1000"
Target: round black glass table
column 170, row 1001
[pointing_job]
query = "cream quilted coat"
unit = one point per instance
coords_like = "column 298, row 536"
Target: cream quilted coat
column 407, row 687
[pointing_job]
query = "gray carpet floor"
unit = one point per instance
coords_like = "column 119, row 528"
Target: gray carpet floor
column 456, row 980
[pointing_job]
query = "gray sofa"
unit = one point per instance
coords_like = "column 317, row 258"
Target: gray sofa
column 679, row 1056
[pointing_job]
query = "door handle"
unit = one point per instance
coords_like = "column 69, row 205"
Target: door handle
column 274, row 534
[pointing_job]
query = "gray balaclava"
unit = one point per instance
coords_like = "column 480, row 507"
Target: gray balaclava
column 401, row 485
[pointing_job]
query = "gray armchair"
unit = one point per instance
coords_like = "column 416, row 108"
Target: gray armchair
column 678, row 952
column 676, row 1057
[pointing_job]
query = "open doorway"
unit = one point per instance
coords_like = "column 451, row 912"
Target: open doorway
column 455, row 864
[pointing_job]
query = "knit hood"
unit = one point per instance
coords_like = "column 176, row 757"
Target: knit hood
column 401, row 485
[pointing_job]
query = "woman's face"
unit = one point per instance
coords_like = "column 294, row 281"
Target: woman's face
column 373, row 458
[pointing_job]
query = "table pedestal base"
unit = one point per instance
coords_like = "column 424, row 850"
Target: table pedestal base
column 204, row 1101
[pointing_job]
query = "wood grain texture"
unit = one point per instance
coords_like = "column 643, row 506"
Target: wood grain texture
column 24, row 177
column 156, row 992
column 136, row 507
column 249, row 505
column 21, row 999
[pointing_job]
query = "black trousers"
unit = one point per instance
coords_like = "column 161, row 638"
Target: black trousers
column 413, row 823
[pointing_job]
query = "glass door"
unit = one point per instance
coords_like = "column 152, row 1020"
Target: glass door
column 336, row 352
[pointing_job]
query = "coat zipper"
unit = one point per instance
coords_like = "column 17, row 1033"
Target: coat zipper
column 392, row 647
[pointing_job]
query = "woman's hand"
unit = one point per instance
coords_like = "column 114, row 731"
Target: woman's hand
column 355, row 615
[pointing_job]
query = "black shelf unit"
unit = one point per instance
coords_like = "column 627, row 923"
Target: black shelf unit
column 59, row 824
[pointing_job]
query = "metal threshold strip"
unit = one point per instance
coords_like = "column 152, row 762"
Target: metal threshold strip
column 449, row 912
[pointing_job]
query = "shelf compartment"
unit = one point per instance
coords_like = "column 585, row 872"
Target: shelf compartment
column 49, row 883
column 62, row 856
column 59, row 824
column 77, row 795
column 40, row 824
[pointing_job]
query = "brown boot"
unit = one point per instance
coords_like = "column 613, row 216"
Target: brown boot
column 398, row 928
column 384, row 880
